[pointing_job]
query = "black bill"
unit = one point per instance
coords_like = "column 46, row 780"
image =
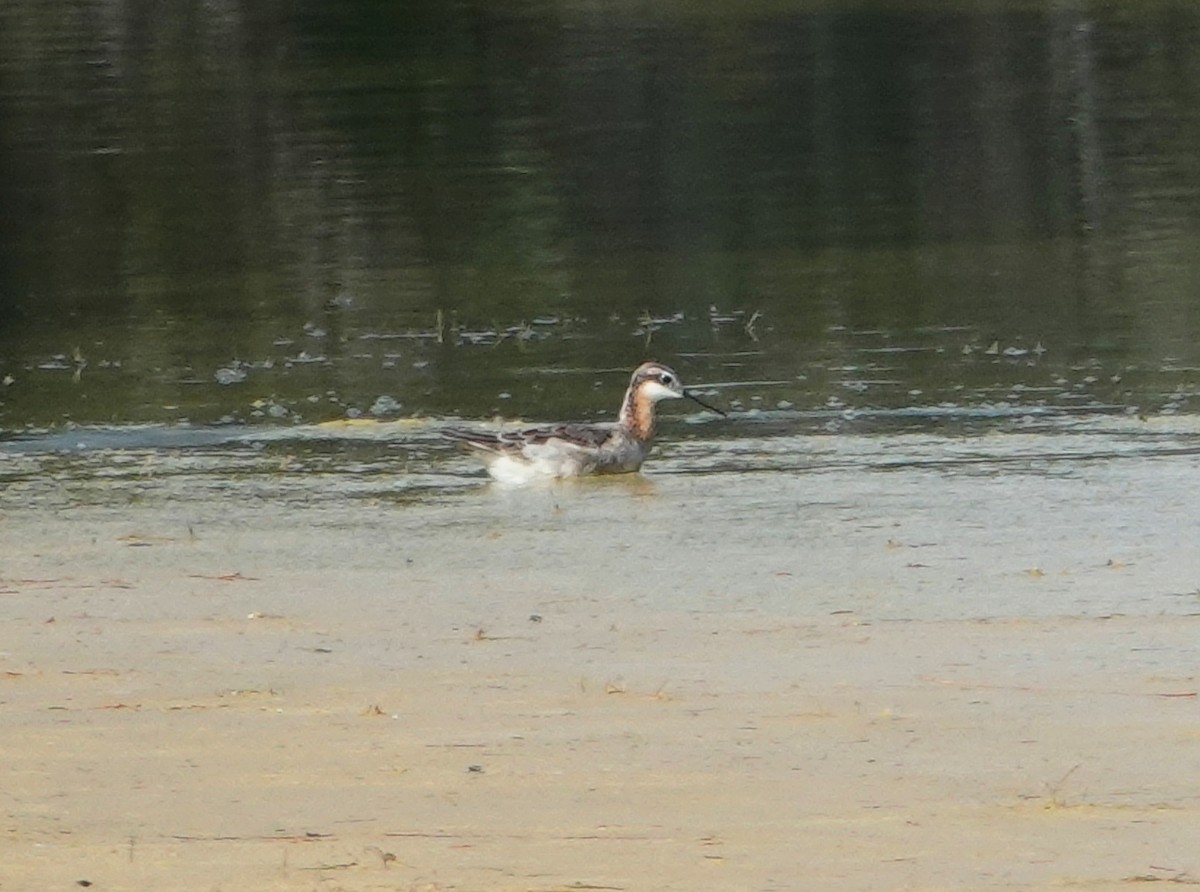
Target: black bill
column 695, row 399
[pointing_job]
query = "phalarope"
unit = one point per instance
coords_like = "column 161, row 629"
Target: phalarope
column 574, row 450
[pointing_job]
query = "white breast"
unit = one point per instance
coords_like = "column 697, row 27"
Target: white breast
column 534, row 463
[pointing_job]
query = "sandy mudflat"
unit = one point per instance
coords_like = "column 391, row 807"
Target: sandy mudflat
column 614, row 687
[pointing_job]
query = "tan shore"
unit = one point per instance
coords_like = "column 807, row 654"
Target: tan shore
column 594, row 687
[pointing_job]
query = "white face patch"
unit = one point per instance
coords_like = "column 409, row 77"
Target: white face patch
column 656, row 391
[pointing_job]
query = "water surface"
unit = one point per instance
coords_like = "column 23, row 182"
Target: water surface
column 279, row 214
column 940, row 262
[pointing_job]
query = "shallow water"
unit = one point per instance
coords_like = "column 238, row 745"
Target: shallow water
column 1063, row 516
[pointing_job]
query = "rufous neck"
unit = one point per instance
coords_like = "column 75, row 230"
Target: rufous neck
column 637, row 415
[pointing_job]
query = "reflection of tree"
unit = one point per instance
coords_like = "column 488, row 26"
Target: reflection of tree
column 233, row 170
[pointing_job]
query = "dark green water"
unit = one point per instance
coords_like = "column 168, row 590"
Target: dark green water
column 278, row 213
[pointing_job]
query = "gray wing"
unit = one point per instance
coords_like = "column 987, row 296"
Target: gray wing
column 585, row 436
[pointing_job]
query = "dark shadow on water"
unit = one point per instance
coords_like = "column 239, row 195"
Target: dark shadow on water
column 288, row 214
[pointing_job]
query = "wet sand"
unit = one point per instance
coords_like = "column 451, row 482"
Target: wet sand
column 615, row 686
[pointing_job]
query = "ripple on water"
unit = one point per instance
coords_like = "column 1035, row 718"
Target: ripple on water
column 371, row 458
